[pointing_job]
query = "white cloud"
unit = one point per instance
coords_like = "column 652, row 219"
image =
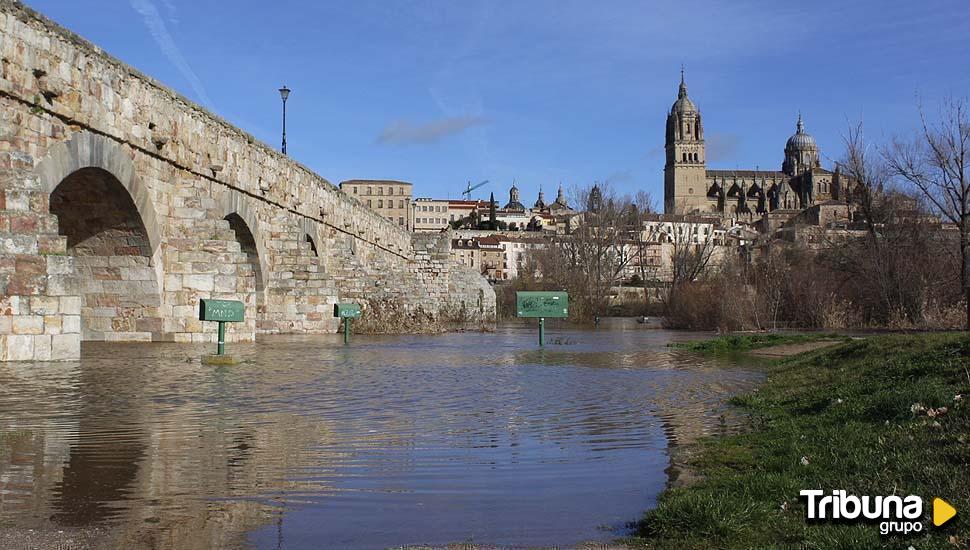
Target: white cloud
column 156, row 26
column 406, row 133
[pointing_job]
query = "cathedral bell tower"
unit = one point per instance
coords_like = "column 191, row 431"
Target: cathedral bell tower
column 685, row 176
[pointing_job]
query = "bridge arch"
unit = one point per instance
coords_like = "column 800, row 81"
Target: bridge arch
column 88, row 150
column 234, row 207
column 313, row 235
column 113, row 236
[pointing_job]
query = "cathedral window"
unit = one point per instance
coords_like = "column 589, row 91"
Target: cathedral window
column 685, row 157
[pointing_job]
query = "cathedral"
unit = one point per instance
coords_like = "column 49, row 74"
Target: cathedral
column 690, row 188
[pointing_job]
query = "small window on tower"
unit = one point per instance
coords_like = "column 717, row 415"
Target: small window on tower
column 690, row 191
column 685, row 157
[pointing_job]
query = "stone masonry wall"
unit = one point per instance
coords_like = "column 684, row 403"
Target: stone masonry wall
column 39, row 309
column 209, row 212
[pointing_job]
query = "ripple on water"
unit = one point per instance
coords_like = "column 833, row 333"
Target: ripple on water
column 393, row 440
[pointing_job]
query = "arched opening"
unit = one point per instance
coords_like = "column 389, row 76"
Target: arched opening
column 249, row 274
column 313, row 245
column 115, row 273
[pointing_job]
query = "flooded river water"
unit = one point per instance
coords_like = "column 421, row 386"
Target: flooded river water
column 393, row 440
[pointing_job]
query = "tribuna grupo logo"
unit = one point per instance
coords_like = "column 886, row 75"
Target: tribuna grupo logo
column 895, row 514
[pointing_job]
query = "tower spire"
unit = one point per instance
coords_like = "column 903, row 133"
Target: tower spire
column 800, row 126
column 683, row 86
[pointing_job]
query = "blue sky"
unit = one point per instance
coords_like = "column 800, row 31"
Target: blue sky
column 439, row 92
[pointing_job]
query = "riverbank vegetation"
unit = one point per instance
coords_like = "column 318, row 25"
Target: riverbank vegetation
column 739, row 343
column 876, row 416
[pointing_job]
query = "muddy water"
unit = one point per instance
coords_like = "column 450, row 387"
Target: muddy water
column 391, row 441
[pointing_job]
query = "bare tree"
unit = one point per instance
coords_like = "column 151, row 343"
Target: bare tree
column 642, row 207
column 937, row 162
column 591, row 260
column 690, row 257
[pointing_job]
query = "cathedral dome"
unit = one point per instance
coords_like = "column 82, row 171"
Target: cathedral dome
column 514, row 203
column 801, row 141
column 683, row 103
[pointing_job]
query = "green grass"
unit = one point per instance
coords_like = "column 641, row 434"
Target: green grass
column 736, row 343
column 847, row 409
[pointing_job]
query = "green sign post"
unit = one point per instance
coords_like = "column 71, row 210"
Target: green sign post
column 221, row 311
column 346, row 311
column 542, row 304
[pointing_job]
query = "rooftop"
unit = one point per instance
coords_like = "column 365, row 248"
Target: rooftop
column 375, row 182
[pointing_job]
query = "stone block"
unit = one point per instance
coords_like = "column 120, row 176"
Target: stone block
column 65, row 346
column 60, row 265
column 18, row 244
column 224, row 283
column 52, row 324
column 17, row 347
column 42, row 347
column 44, row 305
column 17, row 200
column 11, row 305
column 61, row 285
column 28, row 324
column 173, row 282
column 24, row 222
column 199, row 282
column 48, row 244
column 70, row 324
column 70, row 305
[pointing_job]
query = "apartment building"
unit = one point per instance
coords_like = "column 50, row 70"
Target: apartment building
column 389, row 198
column 430, row 214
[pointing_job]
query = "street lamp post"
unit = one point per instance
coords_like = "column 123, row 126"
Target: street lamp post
column 284, row 93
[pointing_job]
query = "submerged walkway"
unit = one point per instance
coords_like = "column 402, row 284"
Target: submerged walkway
column 787, row 350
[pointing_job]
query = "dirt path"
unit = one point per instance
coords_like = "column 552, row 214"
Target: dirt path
column 786, row 350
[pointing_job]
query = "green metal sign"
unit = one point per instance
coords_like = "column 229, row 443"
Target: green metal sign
column 227, row 311
column 346, row 311
column 542, row 304
column 222, row 311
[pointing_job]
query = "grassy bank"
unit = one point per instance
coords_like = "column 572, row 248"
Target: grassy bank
column 738, row 343
column 873, row 417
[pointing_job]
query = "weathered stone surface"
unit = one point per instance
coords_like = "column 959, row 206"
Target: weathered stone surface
column 105, row 233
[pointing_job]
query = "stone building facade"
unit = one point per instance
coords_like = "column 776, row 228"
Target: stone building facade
column 389, row 198
column 691, row 188
column 122, row 204
column 430, row 214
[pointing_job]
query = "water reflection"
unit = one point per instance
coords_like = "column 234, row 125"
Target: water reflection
column 394, row 440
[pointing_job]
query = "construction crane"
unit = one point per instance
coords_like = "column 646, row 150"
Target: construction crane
column 467, row 193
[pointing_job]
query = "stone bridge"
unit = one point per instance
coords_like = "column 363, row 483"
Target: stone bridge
column 122, row 204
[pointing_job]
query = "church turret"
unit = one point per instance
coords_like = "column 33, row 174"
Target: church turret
column 514, row 202
column 801, row 151
column 560, row 205
column 594, row 202
column 541, row 201
column 684, row 171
